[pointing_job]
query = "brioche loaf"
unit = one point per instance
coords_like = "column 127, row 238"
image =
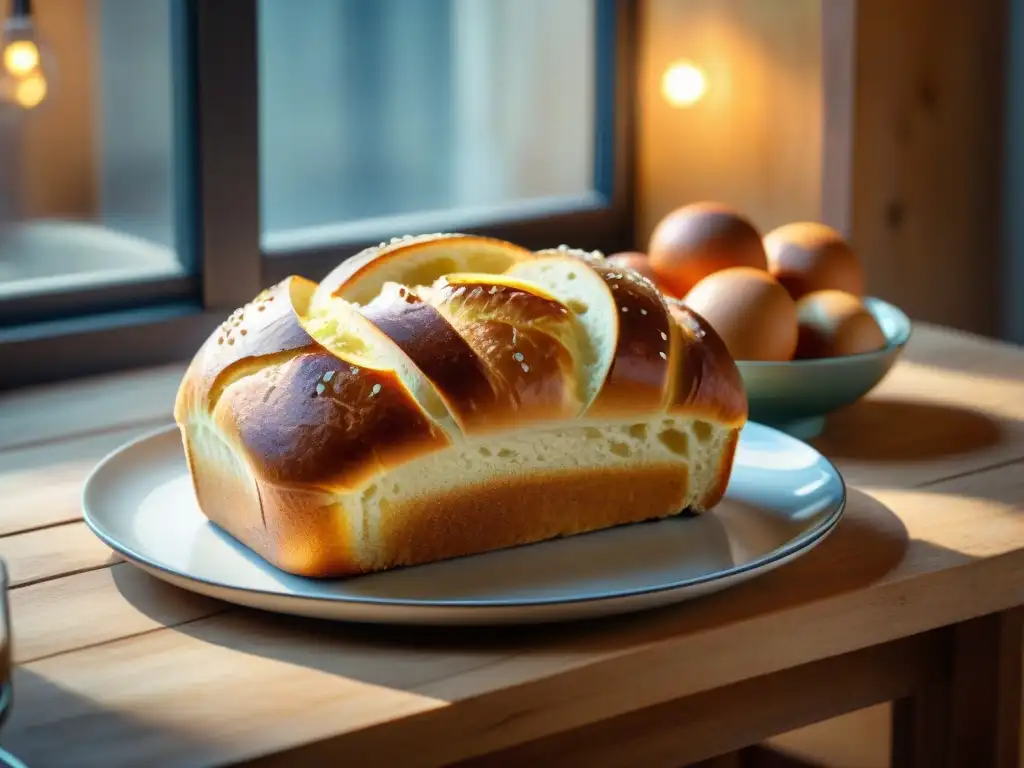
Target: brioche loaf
column 448, row 395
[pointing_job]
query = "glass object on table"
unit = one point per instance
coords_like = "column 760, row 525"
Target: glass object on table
column 87, row 176
column 7, row 760
column 6, row 641
column 404, row 115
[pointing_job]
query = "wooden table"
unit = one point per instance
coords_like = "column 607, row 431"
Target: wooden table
column 912, row 599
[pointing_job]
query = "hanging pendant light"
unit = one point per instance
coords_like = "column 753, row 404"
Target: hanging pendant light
column 25, row 68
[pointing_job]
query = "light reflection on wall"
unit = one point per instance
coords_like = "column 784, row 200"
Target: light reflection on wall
column 683, row 84
column 730, row 108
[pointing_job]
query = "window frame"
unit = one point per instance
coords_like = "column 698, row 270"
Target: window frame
column 104, row 329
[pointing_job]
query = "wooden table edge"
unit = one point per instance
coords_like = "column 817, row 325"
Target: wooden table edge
column 956, row 707
column 494, row 720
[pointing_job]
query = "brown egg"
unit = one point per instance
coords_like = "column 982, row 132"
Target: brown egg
column 836, row 323
column 697, row 240
column 808, row 256
column 634, row 260
column 748, row 308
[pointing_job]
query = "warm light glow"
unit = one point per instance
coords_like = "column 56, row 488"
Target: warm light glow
column 21, row 57
column 683, row 84
column 31, row 91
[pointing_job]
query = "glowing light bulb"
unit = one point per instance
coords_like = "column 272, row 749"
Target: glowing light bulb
column 683, row 84
column 26, row 67
column 30, row 91
column 21, row 57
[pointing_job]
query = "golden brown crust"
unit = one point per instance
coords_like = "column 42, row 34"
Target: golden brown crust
column 723, row 471
column 635, row 260
column 516, row 510
column 315, row 420
column 298, row 530
column 359, row 278
column 641, row 367
column 443, row 356
column 708, row 383
column 266, row 327
column 287, row 442
column 516, row 333
column 267, row 421
column 511, row 301
column 303, row 533
column 306, row 533
column 361, row 264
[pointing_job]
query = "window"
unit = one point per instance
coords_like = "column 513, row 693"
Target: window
column 87, row 182
column 409, row 110
column 188, row 153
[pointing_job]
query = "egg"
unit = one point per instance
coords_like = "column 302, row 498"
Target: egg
column 836, row 323
column 807, row 256
column 750, row 310
column 634, row 260
column 697, row 240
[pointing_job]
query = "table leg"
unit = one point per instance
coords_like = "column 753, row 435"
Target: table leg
column 920, row 729
column 973, row 719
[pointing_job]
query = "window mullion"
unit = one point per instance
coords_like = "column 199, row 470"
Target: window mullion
column 225, row 154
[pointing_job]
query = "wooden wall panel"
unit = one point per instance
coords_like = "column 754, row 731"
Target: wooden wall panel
column 882, row 118
column 925, row 136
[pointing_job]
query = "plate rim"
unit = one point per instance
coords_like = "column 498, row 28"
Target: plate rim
column 805, row 541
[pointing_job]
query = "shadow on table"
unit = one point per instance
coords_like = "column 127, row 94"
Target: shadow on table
column 887, row 430
column 870, row 544
column 34, row 736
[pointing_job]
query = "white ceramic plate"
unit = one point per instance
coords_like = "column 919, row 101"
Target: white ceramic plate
column 783, row 499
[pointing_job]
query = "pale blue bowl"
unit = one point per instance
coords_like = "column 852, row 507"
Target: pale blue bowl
column 796, row 396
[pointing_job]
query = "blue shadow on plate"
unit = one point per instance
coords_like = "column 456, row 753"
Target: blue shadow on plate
column 796, row 396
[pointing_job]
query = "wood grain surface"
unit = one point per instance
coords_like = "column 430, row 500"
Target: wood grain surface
column 116, row 668
column 914, row 107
